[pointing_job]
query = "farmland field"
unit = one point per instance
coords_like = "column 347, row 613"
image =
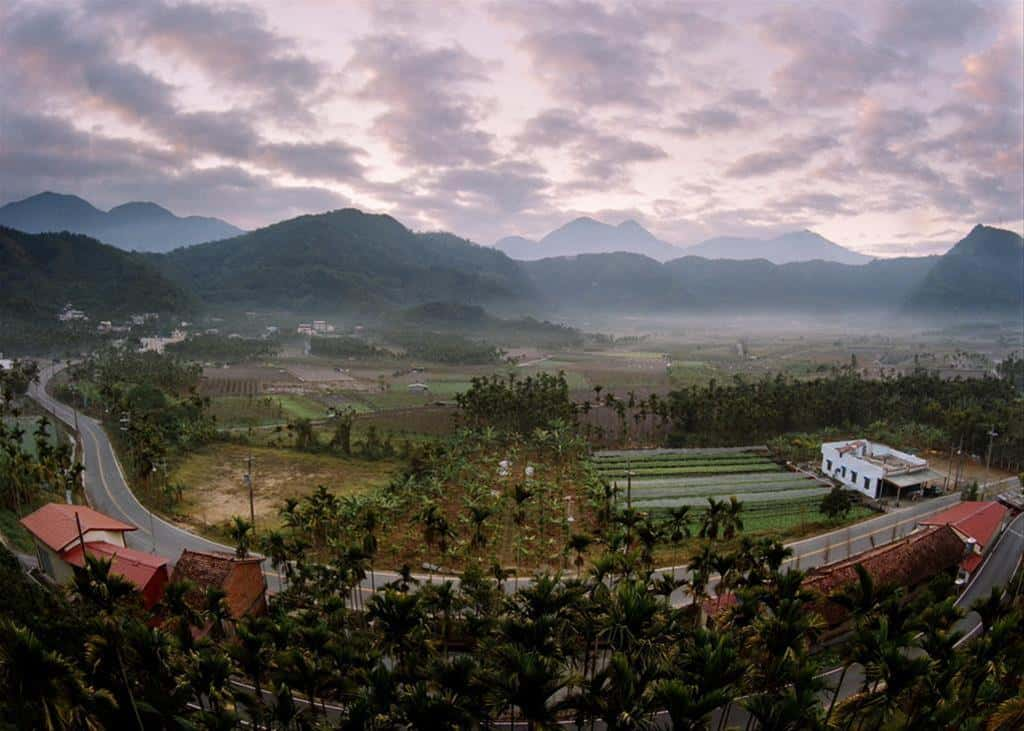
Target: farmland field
column 239, row 411
column 773, row 498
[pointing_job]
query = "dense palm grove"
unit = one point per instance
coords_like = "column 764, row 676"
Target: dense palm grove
column 604, row 647
column 944, row 412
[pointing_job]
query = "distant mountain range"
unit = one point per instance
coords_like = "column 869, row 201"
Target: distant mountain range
column 785, row 249
column 588, row 236
column 132, row 226
column 347, row 260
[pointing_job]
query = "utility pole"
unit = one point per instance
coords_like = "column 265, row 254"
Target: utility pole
column 248, row 482
column 992, row 434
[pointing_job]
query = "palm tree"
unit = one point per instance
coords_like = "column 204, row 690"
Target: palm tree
column 275, row 546
column 524, row 682
column 860, row 599
column 678, row 526
column 240, row 530
column 216, row 612
column 579, row 543
column 701, row 567
column 175, row 603
column 478, row 515
column 732, row 522
column 711, row 521
column 688, row 704
column 42, row 688
column 252, row 653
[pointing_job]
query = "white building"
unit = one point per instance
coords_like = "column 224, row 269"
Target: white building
column 70, row 313
column 304, row 328
column 874, row 469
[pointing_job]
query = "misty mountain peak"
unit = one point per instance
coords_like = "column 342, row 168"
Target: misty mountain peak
column 139, row 225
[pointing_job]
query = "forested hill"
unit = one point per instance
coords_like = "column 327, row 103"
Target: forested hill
column 344, row 259
column 634, row 283
column 984, row 272
column 981, row 274
column 39, row 273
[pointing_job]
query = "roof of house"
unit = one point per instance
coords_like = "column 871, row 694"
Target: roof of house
column 973, row 519
column 915, row 478
column 240, row 578
column 136, row 566
column 54, row 524
column 905, row 562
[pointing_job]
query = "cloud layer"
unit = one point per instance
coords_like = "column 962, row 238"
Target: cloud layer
column 873, row 124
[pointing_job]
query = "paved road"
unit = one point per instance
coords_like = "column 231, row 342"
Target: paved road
column 996, row 571
column 108, row 492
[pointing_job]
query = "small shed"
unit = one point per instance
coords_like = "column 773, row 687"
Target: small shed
column 418, row 388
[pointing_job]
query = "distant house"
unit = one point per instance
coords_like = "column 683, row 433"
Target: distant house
column 977, row 524
column 70, row 313
column 65, row 534
column 418, row 388
column 874, row 469
column 304, row 328
column 241, row 579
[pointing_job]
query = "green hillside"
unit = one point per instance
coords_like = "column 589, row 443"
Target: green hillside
column 39, row 273
column 982, row 273
column 344, row 259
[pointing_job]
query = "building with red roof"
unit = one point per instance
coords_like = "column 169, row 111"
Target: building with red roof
column 241, row 580
column 56, row 526
column 147, row 571
column 909, row 561
column 65, row 534
column 977, row 523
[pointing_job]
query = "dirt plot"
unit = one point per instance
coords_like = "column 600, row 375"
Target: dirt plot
column 214, row 477
column 243, row 380
column 430, row 420
column 323, row 374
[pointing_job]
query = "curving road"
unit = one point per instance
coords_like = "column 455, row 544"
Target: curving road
column 108, row 491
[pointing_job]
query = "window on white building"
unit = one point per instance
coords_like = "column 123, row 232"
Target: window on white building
column 867, row 483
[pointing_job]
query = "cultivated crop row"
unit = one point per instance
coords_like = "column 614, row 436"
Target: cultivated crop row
column 711, row 469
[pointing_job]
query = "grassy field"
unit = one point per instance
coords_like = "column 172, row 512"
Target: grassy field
column 28, row 440
column 214, row 480
column 240, row 411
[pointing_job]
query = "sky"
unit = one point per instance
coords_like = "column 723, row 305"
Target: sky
column 888, row 126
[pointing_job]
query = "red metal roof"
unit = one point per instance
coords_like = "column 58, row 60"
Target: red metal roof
column 147, row 571
column 977, row 520
column 971, row 562
column 54, row 524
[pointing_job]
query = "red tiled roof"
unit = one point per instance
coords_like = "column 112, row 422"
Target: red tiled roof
column 906, row 562
column 54, row 524
column 240, row 578
column 146, row 571
column 977, row 520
